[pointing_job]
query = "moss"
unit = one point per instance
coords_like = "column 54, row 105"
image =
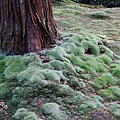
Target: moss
column 2, row 56
column 107, row 51
column 90, row 47
column 52, row 75
column 106, row 79
column 107, row 94
column 96, row 65
column 87, row 106
column 112, row 93
column 76, row 61
column 86, row 76
column 2, row 66
column 5, row 90
column 14, row 66
column 104, row 58
column 115, row 71
column 57, row 64
column 31, row 71
column 30, row 58
column 64, row 90
column 47, row 66
column 78, row 38
column 24, row 114
column 72, row 48
column 57, row 53
column 114, row 109
column 99, row 15
column 53, row 110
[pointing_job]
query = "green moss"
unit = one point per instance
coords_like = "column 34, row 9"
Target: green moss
column 30, row 58
column 31, row 71
column 90, row 47
column 57, row 64
column 76, row 61
column 104, row 58
column 57, row 53
column 107, row 94
column 96, row 65
column 2, row 66
column 47, row 66
column 53, row 110
column 86, row 76
column 112, row 93
column 106, row 79
column 14, row 66
column 24, row 114
column 87, row 106
column 114, row 109
column 2, row 56
column 107, row 51
column 116, row 71
column 5, row 90
column 99, row 15
column 65, row 90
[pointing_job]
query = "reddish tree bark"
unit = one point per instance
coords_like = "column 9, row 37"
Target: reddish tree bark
column 26, row 26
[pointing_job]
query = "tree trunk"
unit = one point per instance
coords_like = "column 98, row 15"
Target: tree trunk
column 26, row 26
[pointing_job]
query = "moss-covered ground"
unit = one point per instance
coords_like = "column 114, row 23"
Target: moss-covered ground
column 78, row 79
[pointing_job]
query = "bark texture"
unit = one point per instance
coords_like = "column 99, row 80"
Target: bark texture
column 26, row 26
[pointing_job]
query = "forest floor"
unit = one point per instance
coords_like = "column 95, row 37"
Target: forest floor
column 78, row 78
column 79, row 18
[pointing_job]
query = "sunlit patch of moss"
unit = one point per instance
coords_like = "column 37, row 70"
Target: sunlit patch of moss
column 116, row 71
column 76, row 61
column 86, row 76
column 112, row 93
column 96, row 65
column 106, row 79
column 104, row 58
column 57, row 53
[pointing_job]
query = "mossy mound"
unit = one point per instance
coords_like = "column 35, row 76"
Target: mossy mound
column 111, row 93
column 103, row 81
column 69, row 76
column 100, row 15
column 24, row 114
column 54, row 112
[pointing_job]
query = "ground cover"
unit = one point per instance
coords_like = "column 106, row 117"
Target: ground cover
column 76, row 79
